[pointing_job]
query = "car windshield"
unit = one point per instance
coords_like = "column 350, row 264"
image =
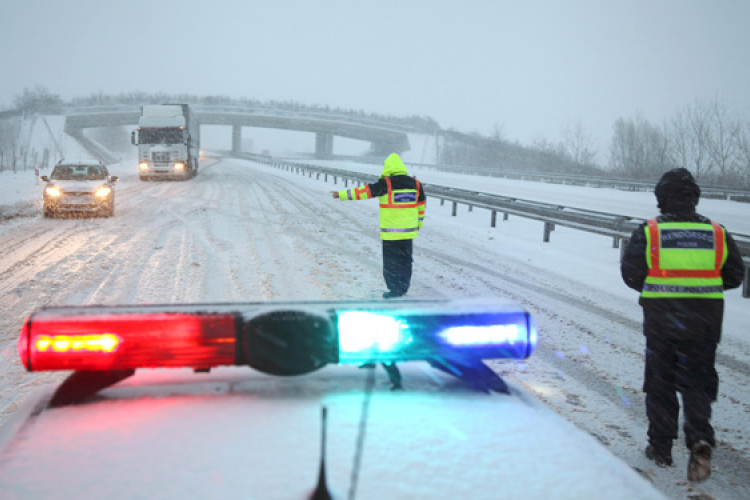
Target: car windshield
column 78, row 173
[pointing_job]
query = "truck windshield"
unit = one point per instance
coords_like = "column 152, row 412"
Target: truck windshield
column 160, row 136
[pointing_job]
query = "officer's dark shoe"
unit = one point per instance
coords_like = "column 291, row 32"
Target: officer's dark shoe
column 699, row 465
column 661, row 456
column 391, row 295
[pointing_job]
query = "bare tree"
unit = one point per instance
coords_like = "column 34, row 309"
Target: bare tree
column 722, row 140
column 497, row 133
column 578, row 143
column 639, row 149
column 689, row 137
column 743, row 151
column 38, row 100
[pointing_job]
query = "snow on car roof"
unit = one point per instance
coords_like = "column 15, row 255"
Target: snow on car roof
column 236, row 433
column 83, row 163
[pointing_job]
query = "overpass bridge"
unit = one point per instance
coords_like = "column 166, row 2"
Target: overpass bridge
column 384, row 138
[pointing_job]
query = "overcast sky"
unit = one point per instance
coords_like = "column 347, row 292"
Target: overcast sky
column 530, row 67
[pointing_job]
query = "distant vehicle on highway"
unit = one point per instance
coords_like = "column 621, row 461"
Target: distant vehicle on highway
column 79, row 187
column 168, row 140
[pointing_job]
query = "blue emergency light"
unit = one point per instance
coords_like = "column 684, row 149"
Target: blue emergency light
column 282, row 338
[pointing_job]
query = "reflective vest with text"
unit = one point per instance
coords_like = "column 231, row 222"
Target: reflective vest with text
column 684, row 260
column 399, row 213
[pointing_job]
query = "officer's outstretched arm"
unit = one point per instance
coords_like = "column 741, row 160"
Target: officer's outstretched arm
column 360, row 193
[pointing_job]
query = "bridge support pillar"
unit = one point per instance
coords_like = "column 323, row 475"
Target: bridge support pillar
column 323, row 146
column 236, row 140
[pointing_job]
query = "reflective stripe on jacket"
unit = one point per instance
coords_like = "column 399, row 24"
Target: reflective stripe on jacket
column 684, row 260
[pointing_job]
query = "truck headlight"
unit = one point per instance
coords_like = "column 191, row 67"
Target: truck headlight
column 143, row 165
column 179, row 165
column 103, row 192
column 53, row 191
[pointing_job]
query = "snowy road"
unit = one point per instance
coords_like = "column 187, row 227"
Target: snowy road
column 245, row 232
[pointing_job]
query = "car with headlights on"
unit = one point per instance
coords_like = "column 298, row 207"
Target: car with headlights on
column 79, row 187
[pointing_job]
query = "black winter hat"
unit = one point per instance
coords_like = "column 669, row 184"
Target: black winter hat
column 677, row 189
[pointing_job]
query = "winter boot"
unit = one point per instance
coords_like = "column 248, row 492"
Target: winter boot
column 699, row 466
column 661, row 455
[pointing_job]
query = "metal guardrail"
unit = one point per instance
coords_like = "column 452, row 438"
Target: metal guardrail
column 726, row 192
column 618, row 227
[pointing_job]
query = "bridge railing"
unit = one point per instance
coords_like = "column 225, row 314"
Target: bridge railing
column 254, row 110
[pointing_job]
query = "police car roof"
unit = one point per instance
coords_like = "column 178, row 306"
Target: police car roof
column 236, row 433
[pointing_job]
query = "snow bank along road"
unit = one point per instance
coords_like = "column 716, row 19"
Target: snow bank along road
column 241, row 231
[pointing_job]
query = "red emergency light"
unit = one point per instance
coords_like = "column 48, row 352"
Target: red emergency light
column 57, row 340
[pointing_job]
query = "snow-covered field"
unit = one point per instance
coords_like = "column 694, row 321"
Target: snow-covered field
column 242, row 231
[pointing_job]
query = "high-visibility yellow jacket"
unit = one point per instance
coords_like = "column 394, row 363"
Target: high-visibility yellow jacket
column 402, row 200
column 685, row 260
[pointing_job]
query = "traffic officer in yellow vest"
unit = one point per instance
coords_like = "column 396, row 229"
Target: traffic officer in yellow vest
column 681, row 262
column 402, row 206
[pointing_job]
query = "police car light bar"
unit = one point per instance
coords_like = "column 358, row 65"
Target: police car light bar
column 281, row 338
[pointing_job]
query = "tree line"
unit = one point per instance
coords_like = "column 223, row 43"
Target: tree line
column 705, row 137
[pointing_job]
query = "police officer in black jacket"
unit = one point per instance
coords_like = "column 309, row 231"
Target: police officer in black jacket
column 681, row 262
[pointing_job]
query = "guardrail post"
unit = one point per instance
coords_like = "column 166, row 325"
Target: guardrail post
column 616, row 242
column 471, row 208
column 493, row 218
column 335, row 179
column 346, row 182
column 317, row 176
column 505, row 215
column 548, row 228
column 746, row 286
column 455, row 205
column 325, row 177
column 442, row 201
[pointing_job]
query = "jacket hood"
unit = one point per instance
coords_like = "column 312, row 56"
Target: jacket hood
column 393, row 166
column 677, row 192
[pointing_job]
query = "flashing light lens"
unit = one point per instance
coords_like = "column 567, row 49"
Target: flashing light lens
column 485, row 335
column 404, row 335
column 103, row 192
column 179, row 166
column 123, row 341
column 143, row 165
column 53, row 191
column 361, row 331
column 105, row 342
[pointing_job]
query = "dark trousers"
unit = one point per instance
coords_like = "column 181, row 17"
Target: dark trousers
column 397, row 260
column 680, row 366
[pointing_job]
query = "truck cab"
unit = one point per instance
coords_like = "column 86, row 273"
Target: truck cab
column 168, row 140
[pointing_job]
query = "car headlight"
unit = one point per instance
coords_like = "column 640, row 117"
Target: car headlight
column 53, row 191
column 103, row 191
column 143, row 165
column 179, row 165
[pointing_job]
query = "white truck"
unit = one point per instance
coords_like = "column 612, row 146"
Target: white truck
column 168, row 140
